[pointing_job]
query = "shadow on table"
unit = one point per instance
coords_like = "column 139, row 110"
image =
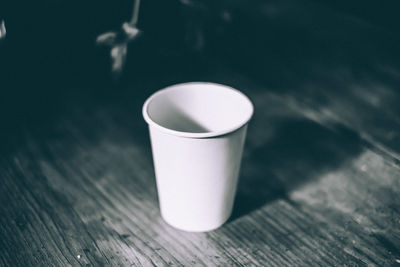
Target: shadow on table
column 299, row 153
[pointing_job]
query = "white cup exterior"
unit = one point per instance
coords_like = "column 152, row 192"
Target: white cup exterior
column 197, row 169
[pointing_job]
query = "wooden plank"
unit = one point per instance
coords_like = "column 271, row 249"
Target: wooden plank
column 320, row 179
column 88, row 196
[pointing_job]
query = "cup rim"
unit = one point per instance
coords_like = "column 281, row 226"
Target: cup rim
column 209, row 134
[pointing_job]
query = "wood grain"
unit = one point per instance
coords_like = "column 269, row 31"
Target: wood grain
column 319, row 185
column 84, row 193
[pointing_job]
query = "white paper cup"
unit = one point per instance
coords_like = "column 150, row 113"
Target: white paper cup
column 197, row 133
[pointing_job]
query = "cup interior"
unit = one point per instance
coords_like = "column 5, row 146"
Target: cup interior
column 198, row 108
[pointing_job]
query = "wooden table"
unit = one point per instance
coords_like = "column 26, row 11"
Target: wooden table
column 319, row 185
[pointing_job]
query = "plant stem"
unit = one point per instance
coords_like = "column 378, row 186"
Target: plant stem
column 135, row 13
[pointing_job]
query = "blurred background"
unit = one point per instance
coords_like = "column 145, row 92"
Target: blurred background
column 319, row 53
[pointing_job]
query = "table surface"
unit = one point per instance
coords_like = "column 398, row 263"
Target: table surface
column 319, row 183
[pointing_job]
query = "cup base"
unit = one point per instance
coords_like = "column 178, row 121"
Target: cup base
column 194, row 228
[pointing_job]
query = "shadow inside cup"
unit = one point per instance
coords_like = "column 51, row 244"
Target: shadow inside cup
column 179, row 120
column 299, row 152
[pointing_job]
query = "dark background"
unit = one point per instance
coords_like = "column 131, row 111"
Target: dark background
column 50, row 46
